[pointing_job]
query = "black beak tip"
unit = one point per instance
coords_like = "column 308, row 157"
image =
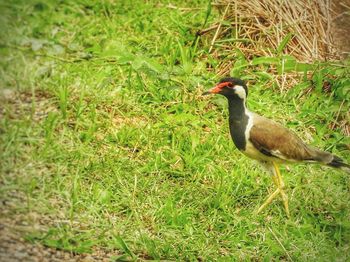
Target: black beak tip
column 206, row 93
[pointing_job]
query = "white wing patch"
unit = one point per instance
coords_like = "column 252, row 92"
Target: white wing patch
column 250, row 149
column 250, row 123
column 278, row 154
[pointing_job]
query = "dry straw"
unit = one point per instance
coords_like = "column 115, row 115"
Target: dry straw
column 257, row 27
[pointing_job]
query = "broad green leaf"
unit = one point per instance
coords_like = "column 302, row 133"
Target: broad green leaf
column 153, row 65
column 284, row 42
column 125, row 58
column 239, row 65
column 264, row 75
column 304, row 67
column 287, row 64
column 137, row 63
column 265, row 60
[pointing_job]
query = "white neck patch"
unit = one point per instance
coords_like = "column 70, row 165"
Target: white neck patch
column 240, row 91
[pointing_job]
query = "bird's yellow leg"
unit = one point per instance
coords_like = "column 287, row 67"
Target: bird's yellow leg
column 280, row 185
column 275, row 180
column 273, row 195
column 268, row 200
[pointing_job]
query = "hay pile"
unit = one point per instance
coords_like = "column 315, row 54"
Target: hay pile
column 258, row 27
column 271, row 28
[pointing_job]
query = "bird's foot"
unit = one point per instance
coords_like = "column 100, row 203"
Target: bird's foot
column 285, row 202
column 278, row 181
column 268, row 200
column 272, row 197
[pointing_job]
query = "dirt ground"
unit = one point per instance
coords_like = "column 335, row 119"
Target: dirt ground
column 13, row 248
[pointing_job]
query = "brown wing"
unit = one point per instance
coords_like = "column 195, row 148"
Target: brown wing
column 272, row 139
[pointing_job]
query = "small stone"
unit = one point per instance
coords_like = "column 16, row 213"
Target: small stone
column 88, row 258
column 8, row 94
column 66, row 256
column 19, row 254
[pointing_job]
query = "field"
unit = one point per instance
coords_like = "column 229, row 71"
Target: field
column 106, row 142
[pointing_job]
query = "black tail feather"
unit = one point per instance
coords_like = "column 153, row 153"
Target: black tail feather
column 337, row 162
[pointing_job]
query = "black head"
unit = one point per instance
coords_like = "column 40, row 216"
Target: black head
column 230, row 86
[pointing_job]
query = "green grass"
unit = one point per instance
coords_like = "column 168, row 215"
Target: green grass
column 106, row 140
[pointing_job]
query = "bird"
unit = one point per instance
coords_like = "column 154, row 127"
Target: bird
column 267, row 141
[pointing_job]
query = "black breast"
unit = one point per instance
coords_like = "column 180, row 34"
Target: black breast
column 237, row 130
column 238, row 120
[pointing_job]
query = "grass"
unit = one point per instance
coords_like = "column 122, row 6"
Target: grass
column 107, row 142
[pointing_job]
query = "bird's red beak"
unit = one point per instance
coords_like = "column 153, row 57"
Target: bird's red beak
column 216, row 89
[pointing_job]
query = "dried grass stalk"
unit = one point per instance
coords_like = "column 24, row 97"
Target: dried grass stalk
column 257, row 27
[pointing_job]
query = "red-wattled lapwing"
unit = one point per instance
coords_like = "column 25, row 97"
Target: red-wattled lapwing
column 267, row 141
